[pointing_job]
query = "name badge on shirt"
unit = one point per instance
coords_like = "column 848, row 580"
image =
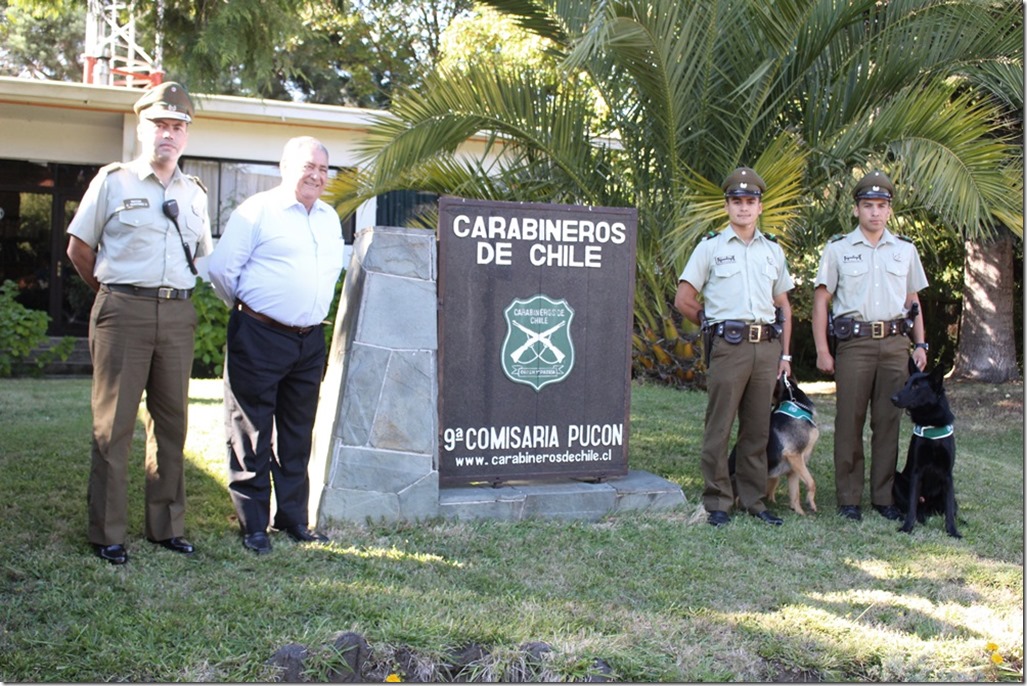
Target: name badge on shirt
column 852, row 258
column 725, row 260
column 136, row 203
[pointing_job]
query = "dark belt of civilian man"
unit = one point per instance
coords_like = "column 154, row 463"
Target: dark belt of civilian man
column 162, row 293
column 263, row 318
column 736, row 332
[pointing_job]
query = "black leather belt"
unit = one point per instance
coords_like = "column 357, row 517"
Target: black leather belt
column 162, row 293
column 845, row 328
column 735, row 332
column 264, row 319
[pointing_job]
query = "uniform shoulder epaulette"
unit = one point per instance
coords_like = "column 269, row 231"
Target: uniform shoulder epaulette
column 198, row 182
column 709, row 235
column 770, row 237
column 835, row 238
column 905, row 238
column 113, row 166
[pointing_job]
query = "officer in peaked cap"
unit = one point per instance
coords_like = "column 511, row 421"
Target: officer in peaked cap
column 169, row 100
column 733, row 284
column 743, row 181
column 866, row 285
column 874, row 185
column 133, row 240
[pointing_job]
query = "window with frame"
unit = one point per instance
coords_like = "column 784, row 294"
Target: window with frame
column 229, row 182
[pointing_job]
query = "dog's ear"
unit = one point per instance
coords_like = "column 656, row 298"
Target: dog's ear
column 913, row 369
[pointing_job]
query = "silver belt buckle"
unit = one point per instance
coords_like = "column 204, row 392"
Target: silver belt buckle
column 877, row 329
column 755, row 331
column 165, row 293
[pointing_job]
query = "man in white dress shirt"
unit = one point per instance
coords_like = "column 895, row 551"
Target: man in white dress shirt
column 277, row 265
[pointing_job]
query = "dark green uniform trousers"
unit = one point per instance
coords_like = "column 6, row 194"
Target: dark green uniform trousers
column 740, row 382
column 139, row 344
column 868, row 371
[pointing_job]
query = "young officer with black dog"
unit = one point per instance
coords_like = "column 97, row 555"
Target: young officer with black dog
column 870, row 277
column 742, row 275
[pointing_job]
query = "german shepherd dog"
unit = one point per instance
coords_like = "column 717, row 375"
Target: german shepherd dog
column 793, row 435
column 924, row 487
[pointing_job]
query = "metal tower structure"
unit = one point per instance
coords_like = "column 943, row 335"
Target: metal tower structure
column 112, row 56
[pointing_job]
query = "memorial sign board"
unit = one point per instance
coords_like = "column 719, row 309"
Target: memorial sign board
column 535, row 320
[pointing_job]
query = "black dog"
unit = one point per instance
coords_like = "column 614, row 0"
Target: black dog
column 924, row 486
column 793, row 435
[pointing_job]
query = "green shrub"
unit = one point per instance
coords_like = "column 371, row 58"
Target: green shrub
column 211, row 332
column 22, row 333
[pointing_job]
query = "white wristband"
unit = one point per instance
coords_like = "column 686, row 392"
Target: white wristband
column 786, row 358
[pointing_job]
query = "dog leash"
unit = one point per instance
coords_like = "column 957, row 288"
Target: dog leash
column 933, row 433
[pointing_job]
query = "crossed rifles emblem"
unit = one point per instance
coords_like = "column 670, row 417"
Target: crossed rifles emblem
column 537, row 337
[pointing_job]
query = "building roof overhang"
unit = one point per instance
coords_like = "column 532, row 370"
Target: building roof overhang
column 93, row 100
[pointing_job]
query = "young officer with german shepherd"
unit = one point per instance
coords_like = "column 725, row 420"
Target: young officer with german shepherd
column 742, row 275
column 870, row 277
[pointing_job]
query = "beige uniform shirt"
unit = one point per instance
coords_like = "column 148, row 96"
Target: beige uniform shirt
column 121, row 217
column 870, row 283
column 738, row 281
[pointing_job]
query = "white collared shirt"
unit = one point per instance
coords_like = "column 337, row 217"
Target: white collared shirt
column 279, row 259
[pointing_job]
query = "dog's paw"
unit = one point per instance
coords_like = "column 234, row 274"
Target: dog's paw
column 906, row 528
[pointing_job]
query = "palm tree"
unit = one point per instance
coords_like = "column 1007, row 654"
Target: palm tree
column 809, row 92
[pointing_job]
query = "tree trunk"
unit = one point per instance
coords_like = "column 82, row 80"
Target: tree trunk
column 987, row 346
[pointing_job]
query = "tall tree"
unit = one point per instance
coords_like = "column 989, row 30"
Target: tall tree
column 41, row 39
column 810, row 92
column 987, row 341
column 340, row 52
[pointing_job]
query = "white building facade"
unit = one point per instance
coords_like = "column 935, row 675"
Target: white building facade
column 54, row 136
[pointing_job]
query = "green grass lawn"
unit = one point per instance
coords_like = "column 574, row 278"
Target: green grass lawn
column 650, row 596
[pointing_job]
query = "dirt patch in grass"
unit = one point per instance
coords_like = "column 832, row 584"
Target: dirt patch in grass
column 985, row 403
column 971, row 401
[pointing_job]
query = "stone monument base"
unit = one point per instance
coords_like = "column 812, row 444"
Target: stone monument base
column 560, row 499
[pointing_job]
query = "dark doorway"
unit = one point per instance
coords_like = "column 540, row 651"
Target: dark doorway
column 37, row 200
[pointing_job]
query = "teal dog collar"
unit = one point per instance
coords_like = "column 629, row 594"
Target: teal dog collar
column 933, row 432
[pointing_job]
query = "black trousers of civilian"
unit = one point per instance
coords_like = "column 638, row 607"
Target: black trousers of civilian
column 272, row 380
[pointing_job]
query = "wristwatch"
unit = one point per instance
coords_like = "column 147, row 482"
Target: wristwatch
column 921, row 345
column 786, row 358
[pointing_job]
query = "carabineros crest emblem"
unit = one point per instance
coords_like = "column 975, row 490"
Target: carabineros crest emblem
column 538, row 349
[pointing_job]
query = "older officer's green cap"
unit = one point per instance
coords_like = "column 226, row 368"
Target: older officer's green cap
column 169, row 100
column 874, row 186
column 743, row 181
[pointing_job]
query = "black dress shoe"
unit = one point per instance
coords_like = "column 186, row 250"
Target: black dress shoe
column 771, row 519
column 257, row 542
column 718, row 518
column 176, row 544
column 889, row 512
column 301, row 534
column 850, row 512
column 115, row 554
